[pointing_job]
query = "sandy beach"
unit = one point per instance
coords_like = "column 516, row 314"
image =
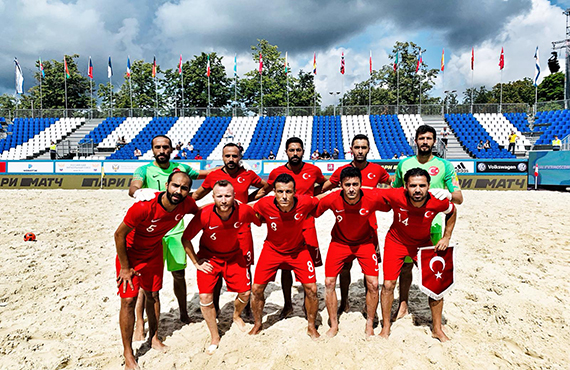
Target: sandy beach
column 508, row 309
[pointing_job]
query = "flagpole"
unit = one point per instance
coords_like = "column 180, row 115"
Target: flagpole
column 397, row 89
column 471, row 91
column 342, row 96
column 182, row 88
column 41, row 97
column 235, row 84
column 501, row 97
column 287, row 93
column 535, row 98
column 261, row 89
column 130, row 87
column 370, row 85
column 419, row 75
column 91, row 95
column 65, row 84
column 208, row 96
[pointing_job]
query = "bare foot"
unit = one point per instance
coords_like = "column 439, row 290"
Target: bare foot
column 130, row 362
column 313, row 333
column 212, row 349
column 158, row 345
column 385, row 332
column 332, row 332
column 369, row 330
column 239, row 322
column 255, row 330
column 139, row 333
column 440, row 335
column 286, row 312
column 402, row 311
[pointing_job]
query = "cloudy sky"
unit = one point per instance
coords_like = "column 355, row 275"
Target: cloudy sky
column 143, row 28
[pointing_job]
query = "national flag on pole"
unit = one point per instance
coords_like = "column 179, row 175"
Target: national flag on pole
column 437, row 273
column 67, row 75
column 370, row 62
column 420, row 61
column 472, row 58
column 537, row 65
column 154, row 67
column 396, row 62
column 128, row 66
column 90, row 69
column 502, row 60
column 260, row 63
column 42, row 68
column 314, row 63
column 208, row 66
column 19, row 77
column 109, row 69
column 536, row 170
column 286, row 67
column 180, row 65
column 342, row 63
column 442, row 59
column 235, row 65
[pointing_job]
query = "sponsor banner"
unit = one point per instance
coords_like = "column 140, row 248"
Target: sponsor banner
column 2, row 167
column 64, row 182
column 269, row 166
column 126, row 167
column 208, row 165
column 553, row 167
column 502, row 166
column 463, row 166
column 30, row 167
column 389, row 166
column 77, row 167
column 328, row 167
column 493, row 182
column 253, row 165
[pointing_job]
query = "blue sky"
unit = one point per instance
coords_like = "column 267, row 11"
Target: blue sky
column 143, row 28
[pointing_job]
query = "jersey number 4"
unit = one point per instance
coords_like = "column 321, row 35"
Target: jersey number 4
column 405, row 221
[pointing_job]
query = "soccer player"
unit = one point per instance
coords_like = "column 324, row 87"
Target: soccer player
column 241, row 180
column 352, row 237
column 372, row 175
column 414, row 210
column 285, row 248
column 308, row 180
column 147, row 180
column 140, row 262
column 443, row 185
column 220, row 254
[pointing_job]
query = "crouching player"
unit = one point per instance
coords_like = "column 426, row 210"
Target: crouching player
column 220, row 254
column 414, row 210
column 140, row 262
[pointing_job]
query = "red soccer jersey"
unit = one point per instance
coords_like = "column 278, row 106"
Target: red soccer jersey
column 352, row 225
column 304, row 180
column 372, row 175
column 241, row 181
column 411, row 225
column 219, row 237
column 150, row 222
column 285, row 229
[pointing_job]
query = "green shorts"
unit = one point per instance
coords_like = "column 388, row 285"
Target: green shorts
column 174, row 253
column 436, row 233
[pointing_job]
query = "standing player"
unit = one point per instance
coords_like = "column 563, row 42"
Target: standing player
column 241, row 180
column 352, row 237
column 147, row 180
column 306, row 176
column 220, row 254
column 372, row 175
column 414, row 210
column 444, row 185
column 285, row 248
column 140, row 262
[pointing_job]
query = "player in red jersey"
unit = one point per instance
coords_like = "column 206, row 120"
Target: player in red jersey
column 140, row 262
column 241, row 180
column 285, row 248
column 220, row 254
column 372, row 175
column 414, row 210
column 308, row 180
column 352, row 237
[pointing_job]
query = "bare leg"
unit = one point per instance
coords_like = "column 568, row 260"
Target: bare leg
column 287, row 284
column 216, row 295
column 153, row 313
column 371, row 302
column 180, row 293
column 240, row 302
column 387, row 297
column 209, row 313
column 311, row 307
column 139, row 314
column 127, row 323
column 436, row 314
column 257, row 304
column 405, row 284
column 345, row 280
column 247, row 308
column 332, row 305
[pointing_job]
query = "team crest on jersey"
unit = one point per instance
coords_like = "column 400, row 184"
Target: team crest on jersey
column 240, row 180
column 429, row 214
column 433, row 171
column 363, row 211
column 298, row 216
column 237, row 225
column 306, row 176
column 371, row 175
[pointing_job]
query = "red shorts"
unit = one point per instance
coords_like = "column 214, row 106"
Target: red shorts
column 394, row 254
column 310, row 236
column 245, row 240
column 270, row 261
column 149, row 280
column 339, row 254
column 233, row 270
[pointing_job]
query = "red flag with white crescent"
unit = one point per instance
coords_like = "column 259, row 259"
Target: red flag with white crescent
column 437, row 272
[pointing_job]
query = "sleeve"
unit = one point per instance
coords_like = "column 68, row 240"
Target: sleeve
column 323, row 205
column 451, row 181
column 194, row 226
column 208, row 182
column 381, row 197
column 255, row 179
column 136, row 214
column 313, row 204
column 319, row 175
column 335, row 177
column 383, row 175
column 257, row 206
column 446, row 207
column 192, row 207
column 190, row 171
column 250, row 215
column 272, row 176
column 398, row 180
column 140, row 174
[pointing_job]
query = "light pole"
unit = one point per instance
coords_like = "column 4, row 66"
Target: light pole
column 333, row 93
column 447, row 92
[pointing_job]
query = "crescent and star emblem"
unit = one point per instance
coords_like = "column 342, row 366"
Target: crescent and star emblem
column 370, row 175
column 363, row 211
column 434, row 260
column 237, row 225
column 240, row 180
column 306, row 176
column 178, row 217
column 429, row 214
column 298, row 216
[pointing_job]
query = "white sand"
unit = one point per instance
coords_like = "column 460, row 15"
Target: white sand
column 509, row 308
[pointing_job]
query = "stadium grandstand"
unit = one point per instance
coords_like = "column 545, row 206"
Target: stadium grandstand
column 391, row 135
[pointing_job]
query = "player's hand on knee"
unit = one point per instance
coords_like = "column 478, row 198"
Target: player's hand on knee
column 440, row 194
column 204, row 266
column 144, row 195
column 126, row 277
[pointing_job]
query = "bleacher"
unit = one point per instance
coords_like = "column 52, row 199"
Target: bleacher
column 266, row 137
column 519, row 120
column 327, row 134
column 207, row 137
column 389, row 136
column 499, row 127
column 99, row 133
column 559, row 125
column 469, row 132
column 354, row 125
column 301, row 127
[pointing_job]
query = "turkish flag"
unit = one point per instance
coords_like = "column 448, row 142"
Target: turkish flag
column 437, row 273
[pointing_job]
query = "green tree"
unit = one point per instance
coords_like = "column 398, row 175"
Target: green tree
column 552, row 87
column 142, row 87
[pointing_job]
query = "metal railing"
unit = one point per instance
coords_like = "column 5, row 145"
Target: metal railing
column 565, row 143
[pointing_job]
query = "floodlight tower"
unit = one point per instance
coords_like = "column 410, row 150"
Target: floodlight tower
column 565, row 44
